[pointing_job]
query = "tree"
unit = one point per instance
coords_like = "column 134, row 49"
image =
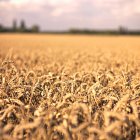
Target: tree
column 14, row 25
column 1, row 28
column 122, row 30
column 35, row 28
column 22, row 26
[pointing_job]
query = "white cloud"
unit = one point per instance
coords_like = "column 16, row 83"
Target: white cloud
column 51, row 14
column 57, row 2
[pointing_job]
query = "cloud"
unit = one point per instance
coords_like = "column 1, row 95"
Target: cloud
column 63, row 14
column 4, row 0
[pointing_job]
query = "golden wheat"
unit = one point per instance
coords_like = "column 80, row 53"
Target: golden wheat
column 69, row 87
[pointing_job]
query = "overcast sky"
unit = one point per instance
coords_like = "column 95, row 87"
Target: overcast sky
column 65, row 14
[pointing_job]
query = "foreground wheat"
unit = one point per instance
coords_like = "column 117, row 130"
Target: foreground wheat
column 60, row 95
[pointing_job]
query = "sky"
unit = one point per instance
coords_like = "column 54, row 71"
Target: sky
column 67, row 14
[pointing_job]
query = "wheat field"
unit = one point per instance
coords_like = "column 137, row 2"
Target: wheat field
column 69, row 87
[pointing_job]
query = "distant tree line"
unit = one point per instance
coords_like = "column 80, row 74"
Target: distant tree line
column 21, row 28
column 120, row 31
